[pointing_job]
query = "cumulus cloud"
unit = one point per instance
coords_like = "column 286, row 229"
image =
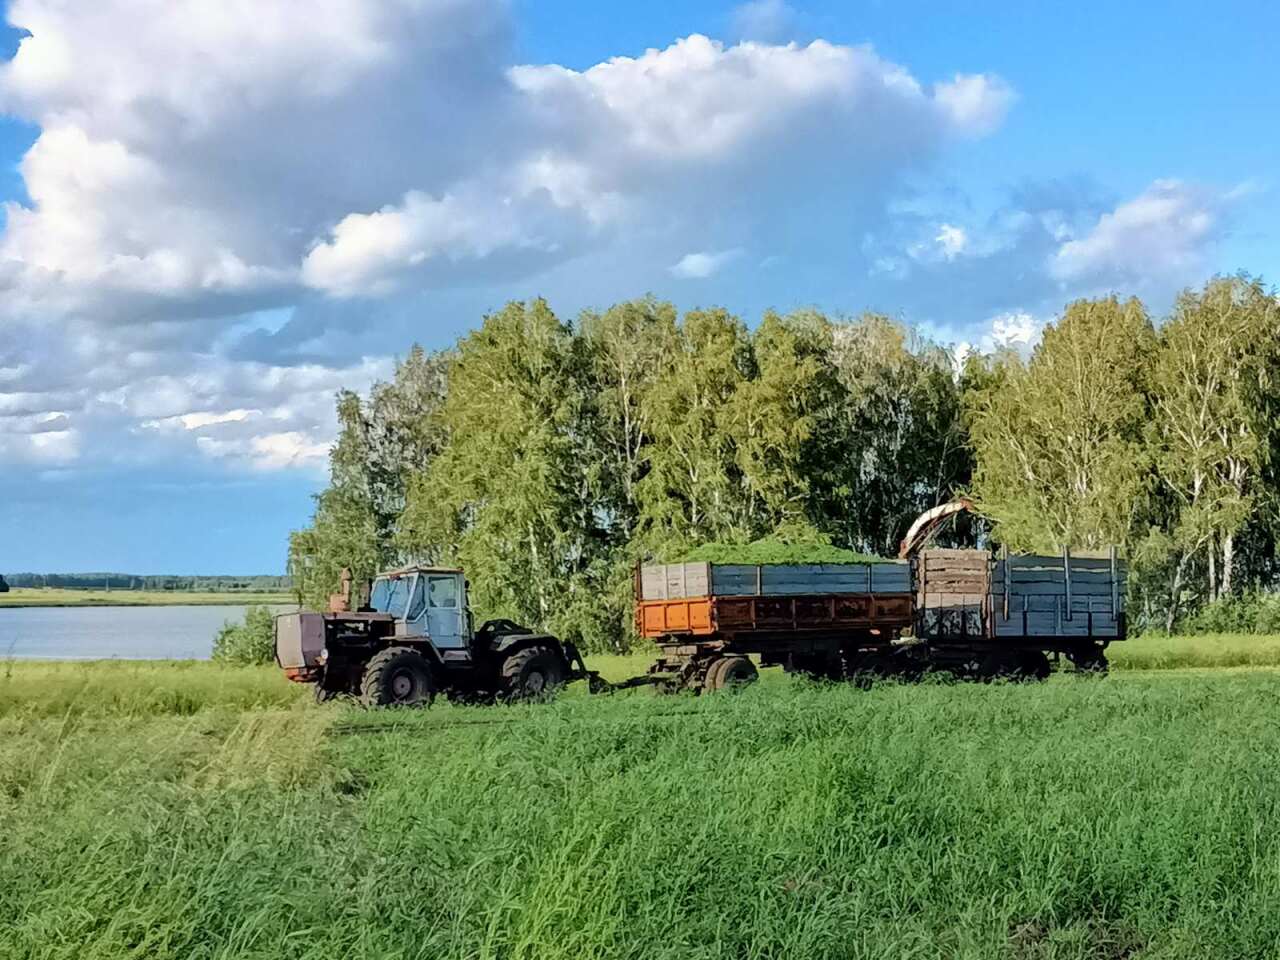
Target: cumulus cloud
column 975, row 103
column 1162, row 235
column 203, row 165
column 698, row 266
column 1051, row 242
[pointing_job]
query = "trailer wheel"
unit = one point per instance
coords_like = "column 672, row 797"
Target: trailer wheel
column 864, row 670
column 1016, row 665
column 398, row 677
column 534, row 673
column 815, row 666
column 730, row 673
column 1089, row 659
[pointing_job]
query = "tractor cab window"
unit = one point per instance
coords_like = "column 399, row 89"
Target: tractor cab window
column 444, row 592
column 419, row 601
column 380, row 594
column 399, row 598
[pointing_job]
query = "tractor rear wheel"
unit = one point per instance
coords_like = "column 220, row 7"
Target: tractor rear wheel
column 398, row 677
column 534, row 673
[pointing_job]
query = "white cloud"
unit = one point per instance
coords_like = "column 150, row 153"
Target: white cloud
column 1161, row 236
column 952, row 240
column 975, row 103
column 271, row 451
column 698, row 266
column 1014, row 329
column 203, row 164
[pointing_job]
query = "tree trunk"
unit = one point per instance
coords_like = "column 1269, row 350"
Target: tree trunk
column 1228, row 562
column 1174, row 591
column 1213, row 573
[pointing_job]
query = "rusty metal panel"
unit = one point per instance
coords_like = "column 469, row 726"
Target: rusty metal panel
column 672, row 617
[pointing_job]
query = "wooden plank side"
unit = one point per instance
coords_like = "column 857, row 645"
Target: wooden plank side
column 673, row 581
column 1052, row 576
column 1084, row 590
column 1037, row 562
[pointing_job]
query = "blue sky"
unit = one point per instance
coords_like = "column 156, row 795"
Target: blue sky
column 215, row 218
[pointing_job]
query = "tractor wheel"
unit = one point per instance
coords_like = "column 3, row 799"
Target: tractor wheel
column 324, row 694
column 534, row 673
column 398, row 677
column 730, row 673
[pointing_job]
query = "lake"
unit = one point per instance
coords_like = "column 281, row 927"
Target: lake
column 127, row 633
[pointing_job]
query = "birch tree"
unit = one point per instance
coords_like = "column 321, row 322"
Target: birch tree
column 1210, row 425
column 510, row 497
column 694, row 491
column 774, row 419
column 630, row 346
column 1058, row 441
column 901, row 445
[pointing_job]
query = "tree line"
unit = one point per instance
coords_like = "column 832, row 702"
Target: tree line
column 132, row 581
column 548, row 456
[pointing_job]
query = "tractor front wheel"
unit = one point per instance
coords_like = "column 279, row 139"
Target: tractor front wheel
column 398, row 677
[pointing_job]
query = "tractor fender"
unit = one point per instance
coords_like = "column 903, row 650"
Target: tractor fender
column 509, row 643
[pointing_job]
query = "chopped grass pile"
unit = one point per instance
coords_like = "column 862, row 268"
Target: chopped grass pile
column 774, row 551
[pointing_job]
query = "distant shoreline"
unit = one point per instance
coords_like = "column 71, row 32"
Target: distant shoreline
column 20, row 597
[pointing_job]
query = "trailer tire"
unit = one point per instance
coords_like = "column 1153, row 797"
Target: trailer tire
column 865, row 670
column 730, row 673
column 533, row 673
column 1015, row 665
column 817, row 667
column 398, row 677
column 1089, row 660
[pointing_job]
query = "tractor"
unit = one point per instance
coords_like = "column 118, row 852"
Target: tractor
column 414, row 639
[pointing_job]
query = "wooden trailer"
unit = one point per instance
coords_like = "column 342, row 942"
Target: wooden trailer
column 971, row 604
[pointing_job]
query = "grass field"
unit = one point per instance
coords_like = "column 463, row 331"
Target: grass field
column 55, row 597
column 202, row 811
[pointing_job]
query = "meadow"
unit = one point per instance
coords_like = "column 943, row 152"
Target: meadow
column 59, row 597
column 197, row 810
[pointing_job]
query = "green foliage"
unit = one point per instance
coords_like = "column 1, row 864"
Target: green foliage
column 1065, row 820
column 1211, row 433
column 383, row 445
column 549, row 457
column 895, row 442
column 252, row 641
column 694, row 489
column 1248, row 613
column 1058, row 441
column 512, row 496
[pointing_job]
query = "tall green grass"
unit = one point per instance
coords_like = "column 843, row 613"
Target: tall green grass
column 1160, row 652
column 1133, row 816
column 137, row 688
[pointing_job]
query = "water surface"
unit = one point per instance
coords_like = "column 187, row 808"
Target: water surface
column 129, row 633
